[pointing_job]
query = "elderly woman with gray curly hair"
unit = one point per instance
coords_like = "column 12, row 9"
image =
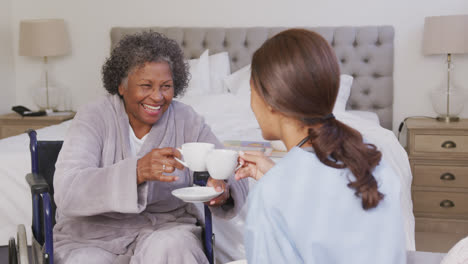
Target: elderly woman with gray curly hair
column 117, row 167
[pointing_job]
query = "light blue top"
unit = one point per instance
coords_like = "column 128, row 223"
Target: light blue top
column 302, row 211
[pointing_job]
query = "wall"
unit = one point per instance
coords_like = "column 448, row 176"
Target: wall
column 7, row 76
column 89, row 23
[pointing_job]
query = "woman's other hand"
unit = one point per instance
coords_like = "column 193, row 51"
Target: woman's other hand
column 219, row 186
column 158, row 161
column 254, row 164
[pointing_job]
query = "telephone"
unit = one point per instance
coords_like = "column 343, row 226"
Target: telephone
column 24, row 111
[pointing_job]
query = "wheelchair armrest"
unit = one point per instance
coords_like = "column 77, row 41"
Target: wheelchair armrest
column 37, row 183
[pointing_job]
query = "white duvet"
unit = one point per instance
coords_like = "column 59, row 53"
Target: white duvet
column 230, row 119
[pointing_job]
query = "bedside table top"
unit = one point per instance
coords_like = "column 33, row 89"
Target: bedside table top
column 58, row 118
column 432, row 123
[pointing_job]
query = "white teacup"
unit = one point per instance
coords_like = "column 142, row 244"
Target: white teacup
column 194, row 155
column 221, row 163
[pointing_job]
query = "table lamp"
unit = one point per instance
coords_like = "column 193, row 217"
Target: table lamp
column 446, row 35
column 44, row 38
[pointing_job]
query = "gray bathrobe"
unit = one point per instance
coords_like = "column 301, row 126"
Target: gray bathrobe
column 99, row 205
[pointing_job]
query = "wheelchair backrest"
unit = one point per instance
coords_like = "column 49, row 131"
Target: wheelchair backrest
column 47, row 157
column 44, row 155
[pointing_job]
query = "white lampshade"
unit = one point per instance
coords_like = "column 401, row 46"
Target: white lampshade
column 43, row 37
column 445, row 34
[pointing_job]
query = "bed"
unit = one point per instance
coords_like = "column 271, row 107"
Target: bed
column 364, row 53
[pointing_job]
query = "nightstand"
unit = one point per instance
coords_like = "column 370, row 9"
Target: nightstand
column 14, row 124
column 438, row 154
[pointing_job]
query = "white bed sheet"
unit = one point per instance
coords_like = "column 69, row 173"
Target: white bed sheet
column 230, row 119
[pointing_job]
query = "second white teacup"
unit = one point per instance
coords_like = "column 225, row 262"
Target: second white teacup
column 221, row 163
column 194, row 155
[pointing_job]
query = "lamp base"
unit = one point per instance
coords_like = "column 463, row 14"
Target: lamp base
column 448, row 119
column 46, row 98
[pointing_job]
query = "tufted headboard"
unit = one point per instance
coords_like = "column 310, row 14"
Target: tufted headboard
column 366, row 53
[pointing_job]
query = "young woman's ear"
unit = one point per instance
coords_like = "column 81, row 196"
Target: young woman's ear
column 271, row 109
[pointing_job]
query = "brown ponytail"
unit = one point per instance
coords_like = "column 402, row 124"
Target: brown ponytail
column 297, row 73
column 339, row 146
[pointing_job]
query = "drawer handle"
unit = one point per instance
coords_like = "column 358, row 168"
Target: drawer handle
column 449, row 144
column 447, row 204
column 447, row 176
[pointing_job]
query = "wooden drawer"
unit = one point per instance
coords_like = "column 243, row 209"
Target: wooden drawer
column 441, row 143
column 440, row 175
column 449, row 203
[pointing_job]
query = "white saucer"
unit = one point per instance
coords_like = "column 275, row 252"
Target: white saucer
column 196, row 194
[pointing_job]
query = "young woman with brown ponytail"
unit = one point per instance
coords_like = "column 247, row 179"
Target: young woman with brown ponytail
column 332, row 198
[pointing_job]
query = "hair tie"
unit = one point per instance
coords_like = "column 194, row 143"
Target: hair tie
column 329, row 116
column 312, row 120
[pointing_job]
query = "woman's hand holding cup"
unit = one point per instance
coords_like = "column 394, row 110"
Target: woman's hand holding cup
column 158, row 161
column 218, row 185
column 254, row 164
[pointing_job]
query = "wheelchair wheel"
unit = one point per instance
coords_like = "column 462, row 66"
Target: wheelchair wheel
column 12, row 254
column 22, row 245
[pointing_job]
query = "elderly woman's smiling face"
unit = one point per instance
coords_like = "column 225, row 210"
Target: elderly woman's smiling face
column 147, row 95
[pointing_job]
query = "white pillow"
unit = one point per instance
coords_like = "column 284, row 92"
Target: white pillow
column 220, row 68
column 367, row 115
column 343, row 93
column 200, row 75
column 229, row 117
column 238, row 81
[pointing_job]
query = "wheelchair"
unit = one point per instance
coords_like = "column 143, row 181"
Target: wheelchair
column 43, row 158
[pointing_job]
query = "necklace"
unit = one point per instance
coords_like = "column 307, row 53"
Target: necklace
column 303, row 142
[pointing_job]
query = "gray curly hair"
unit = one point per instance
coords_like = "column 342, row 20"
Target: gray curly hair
column 133, row 51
